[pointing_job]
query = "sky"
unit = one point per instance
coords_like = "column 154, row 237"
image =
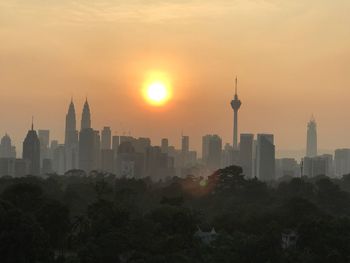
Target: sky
column 292, row 59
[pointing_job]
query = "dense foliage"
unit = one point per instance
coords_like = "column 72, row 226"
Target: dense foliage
column 100, row 218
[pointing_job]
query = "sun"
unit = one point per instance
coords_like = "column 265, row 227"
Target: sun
column 157, row 92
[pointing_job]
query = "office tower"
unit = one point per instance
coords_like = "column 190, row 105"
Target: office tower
column 31, row 151
column 314, row 166
column 115, row 143
column 157, row 165
column 47, row 166
column 311, row 141
column 107, row 160
column 214, row 152
column 106, row 137
column 87, row 141
column 97, row 150
column 227, row 155
column 164, row 145
column 287, row 167
column 59, row 160
column 235, row 104
column 185, row 148
column 44, row 138
column 185, row 144
column 205, row 147
column 7, row 166
column 265, row 157
column 141, row 144
column 129, row 164
column 246, row 154
column 86, row 117
column 342, row 162
column 71, row 139
column 86, row 149
column 7, row 150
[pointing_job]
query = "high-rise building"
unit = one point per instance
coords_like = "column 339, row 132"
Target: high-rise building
column 71, row 139
column 265, row 157
column 86, row 117
column 115, row 143
column 7, row 150
column 287, row 167
column 44, row 138
column 185, row 143
column 87, row 141
column 246, row 154
column 164, row 145
column 106, row 137
column 311, row 141
column 87, row 149
column 227, row 155
column 31, row 151
column 318, row 165
column 342, row 162
column 235, row 104
column 214, row 152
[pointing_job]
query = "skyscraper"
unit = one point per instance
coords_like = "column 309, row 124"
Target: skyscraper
column 246, row 154
column 212, row 149
column 44, row 138
column 86, row 116
column 87, row 140
column 71, row 139
column 31, row 151
column 235, row 104
column 106, row 137
column 164, row 145
column 311, row 141
column 7, row 150
column 265, row 157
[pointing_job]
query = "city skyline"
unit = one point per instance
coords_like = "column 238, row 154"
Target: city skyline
column 51, row 52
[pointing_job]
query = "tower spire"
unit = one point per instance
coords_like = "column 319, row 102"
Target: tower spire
column 32, row 123
column 236, row 81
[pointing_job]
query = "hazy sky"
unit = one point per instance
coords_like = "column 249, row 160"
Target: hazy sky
column 292, row 59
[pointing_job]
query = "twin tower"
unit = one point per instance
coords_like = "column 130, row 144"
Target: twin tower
column 73, row 140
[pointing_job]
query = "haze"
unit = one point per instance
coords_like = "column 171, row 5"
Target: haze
column 291, row 58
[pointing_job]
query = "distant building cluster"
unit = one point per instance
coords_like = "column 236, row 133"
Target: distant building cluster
column 89, row 150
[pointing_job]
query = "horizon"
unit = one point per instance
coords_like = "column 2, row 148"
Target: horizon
column 284, row 54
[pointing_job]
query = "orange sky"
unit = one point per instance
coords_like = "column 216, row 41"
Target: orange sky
column 291, row 57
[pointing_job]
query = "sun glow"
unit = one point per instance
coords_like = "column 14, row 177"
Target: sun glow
column 156, row 90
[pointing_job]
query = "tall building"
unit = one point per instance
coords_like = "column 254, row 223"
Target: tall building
column 87, row 149
column 246, row 154
column 87, row 140
column 318, row 165
column 164, row 145
column 265, row 157
column 44, row 138
column 342, row 162
column 7, row 150
column 212, row 148
column 31, row 151
column 71, row 139
column 106, row 138
column 235, row 104
column 311, row 141
column 185, row 143
column 86, row 117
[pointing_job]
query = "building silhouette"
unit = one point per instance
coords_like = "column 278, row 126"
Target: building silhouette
column 265, row 157
column 106, row 138
column 235, row 104
column 87, row 139
column 342, row 162
column 7, row 150
column 44, row 138
column 311, row 140
column 164, row 145
column 246, row 154
column 71, row 139
column 31, row 151
column 86, row 117
column 212, row 150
